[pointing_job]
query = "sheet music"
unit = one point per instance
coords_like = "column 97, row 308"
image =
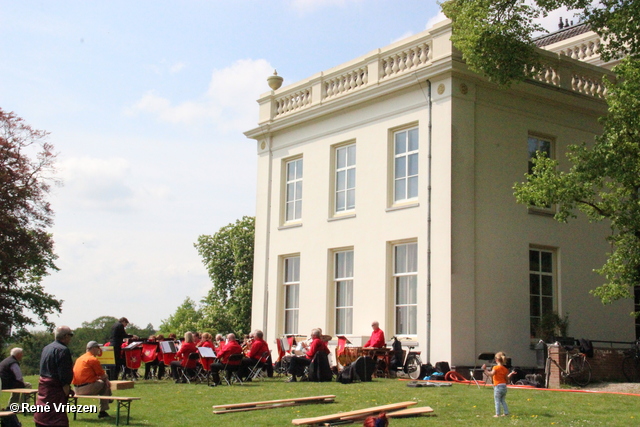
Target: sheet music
column 206, row 352
column 168, row 347
column 132, row 345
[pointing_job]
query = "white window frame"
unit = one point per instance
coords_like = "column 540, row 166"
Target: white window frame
column 542, row 286
column 405, row 274
column 406, row 165
column 293, row 190
column 291, row 284
column 345, row 188
column 343, row 262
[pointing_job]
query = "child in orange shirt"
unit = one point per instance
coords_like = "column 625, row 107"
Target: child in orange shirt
column 499, row 374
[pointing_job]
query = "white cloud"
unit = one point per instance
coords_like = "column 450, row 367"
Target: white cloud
column 103, row 184
column 176, row 68
column 228, row 102
column 435, row 19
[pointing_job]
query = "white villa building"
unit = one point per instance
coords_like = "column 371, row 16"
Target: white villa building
column 385, row 192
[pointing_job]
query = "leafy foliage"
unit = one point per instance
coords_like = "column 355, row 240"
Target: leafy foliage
column 186, row 318
column 228, row 257
column 26, row 247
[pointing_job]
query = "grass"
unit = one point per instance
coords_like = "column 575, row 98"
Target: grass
column 167, row 404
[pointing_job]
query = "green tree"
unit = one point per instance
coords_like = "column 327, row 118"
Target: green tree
column 26, row 246
column 32, row 344
column 604, row 178
column 228, row 257
column 186, row 318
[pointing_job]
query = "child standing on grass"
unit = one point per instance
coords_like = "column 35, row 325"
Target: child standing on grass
column 499, row 374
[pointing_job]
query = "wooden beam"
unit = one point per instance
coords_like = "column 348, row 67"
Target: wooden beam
column 341, row 415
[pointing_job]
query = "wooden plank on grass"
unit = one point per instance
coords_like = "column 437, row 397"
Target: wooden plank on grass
column 326, row 398
column 410, row 411
column 256, row 408
column 339, row 416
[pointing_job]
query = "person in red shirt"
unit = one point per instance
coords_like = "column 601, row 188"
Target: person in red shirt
column 298, row 363
column 206, row 341
column 223, row 353
column 256, row 355
column 186, row 349
column 377, row 337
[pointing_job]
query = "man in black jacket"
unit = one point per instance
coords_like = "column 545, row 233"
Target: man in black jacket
column 118, row 335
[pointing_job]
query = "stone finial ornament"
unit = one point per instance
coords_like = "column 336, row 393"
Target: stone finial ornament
column 275, row 81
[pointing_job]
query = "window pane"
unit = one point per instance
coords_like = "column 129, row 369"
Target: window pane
column 547, row 262
column 534, row 303
column 401, row 258
column 349, row 264
column 412, row 257
column 413, row 187
column 402, row 320
column 298, row 210
column 401, row 290
column 413, row 164
column 534, row 284
column 351, row 155
column 532, row 145
column 299, row 169
column 291, row 322
column 341, row 154
column 351, row 178
column 401, row 167
column 413, row 139
column 401, row 143
column 340, row 201
column 545, row 147
column 291, row 171
column 351, row 199
column 298, row 190
column 291, row 187
column 290, row 211
column 547, row 285
column 400, row 189
column 547, row 305
column 341, row 181
column 534, row 260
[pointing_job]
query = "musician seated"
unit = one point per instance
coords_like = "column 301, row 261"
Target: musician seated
column 206, row 340
column 219, row 341
column 161, row 365
column 186, row 349
column 223, row 353
column 377, row 337
column 151, row 364
column 299, row 363
column 255, row 355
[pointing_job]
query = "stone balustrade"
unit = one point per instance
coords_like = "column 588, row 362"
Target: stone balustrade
column 565, row 70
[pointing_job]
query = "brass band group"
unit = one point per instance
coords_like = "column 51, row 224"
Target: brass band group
column 194, row 356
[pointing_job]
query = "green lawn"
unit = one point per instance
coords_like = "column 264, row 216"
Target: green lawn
column 168, row 404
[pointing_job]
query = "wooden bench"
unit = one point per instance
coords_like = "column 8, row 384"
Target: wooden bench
column 123, row 402
column 30, row 394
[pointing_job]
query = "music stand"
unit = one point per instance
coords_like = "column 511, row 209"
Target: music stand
column 168, row 347
column 206, row 352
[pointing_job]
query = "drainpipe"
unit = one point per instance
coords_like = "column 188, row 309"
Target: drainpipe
column 428, row 359
column 265, row 308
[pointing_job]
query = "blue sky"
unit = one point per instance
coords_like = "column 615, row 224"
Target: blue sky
column 146, row 102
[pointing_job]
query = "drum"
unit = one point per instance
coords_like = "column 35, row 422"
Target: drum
column 349, row 355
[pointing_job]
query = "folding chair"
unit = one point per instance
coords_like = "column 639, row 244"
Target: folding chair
column 231, row 369
column 486, row 358
column 282, row 364
column 256, row 372
column 189, row 372
column 204, row 373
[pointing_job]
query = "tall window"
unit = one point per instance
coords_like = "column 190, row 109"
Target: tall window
column 406, row 164
column 346, row 178
column 405, row 276
column 536, row 144
column 291, row 294
column 293, row 204
column 541, row 286
column 343, row 279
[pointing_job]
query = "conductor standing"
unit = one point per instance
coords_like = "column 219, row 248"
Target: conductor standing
column 118, row 334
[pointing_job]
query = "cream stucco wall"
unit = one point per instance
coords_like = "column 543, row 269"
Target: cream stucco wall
column 478, row 240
